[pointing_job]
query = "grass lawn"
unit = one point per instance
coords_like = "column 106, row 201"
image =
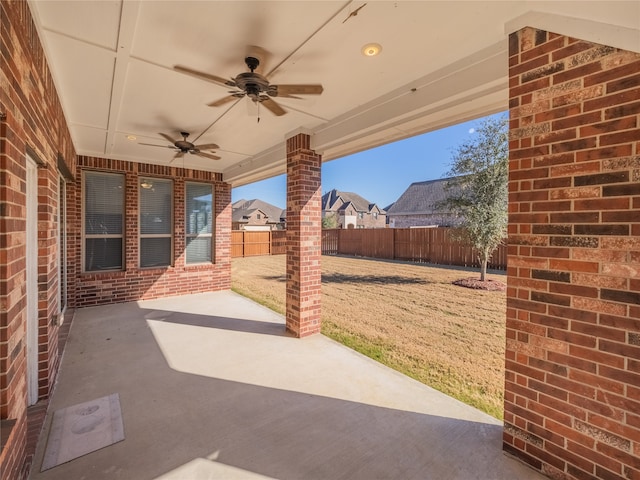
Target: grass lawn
column 407, row 316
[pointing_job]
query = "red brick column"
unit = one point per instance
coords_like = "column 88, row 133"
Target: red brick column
column 303, row 237
column 572, row 399
column 222, row 229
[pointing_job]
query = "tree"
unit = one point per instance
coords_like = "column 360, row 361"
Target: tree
column 477, row 193
column 329, row 221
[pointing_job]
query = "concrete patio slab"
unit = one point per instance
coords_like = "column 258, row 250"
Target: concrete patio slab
column 211, row 387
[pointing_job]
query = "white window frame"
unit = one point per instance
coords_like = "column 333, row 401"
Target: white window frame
column 199, row 235
column 169, row 235
column 86, row 236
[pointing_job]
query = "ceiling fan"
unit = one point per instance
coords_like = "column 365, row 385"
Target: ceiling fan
column 255, row 86
column 183, row 146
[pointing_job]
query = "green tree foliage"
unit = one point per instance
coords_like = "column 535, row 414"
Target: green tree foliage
column 330, row 221
column 477, row 193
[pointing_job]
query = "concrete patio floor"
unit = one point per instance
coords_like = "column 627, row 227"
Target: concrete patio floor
column 211, row 387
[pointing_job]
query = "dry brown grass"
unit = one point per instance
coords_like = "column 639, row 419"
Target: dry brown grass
column 407, row 316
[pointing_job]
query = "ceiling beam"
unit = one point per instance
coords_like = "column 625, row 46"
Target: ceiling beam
column 126, row 32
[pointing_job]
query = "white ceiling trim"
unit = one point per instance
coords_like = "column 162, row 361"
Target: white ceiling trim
column 128, row 21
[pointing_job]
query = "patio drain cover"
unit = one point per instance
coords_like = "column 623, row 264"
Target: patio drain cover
column 83, row 428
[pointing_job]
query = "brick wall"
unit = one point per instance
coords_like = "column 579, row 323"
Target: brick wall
column 135, row 283
column 31, row 121
column 572, row 400
column 304, row 212
column 368, row 221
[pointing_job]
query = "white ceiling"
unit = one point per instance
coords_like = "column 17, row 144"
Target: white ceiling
column 442, row 62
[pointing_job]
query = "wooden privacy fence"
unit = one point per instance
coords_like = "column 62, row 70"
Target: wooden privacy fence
column 425, row 245
column 428, row 245
column 249, row 244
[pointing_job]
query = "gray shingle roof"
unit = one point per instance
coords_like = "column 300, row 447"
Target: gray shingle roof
column 420, row 198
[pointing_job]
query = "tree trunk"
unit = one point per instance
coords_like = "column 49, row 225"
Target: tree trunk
column 484, row 259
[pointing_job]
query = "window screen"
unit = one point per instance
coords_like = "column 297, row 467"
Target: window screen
column 199, row 222
column 103, row 221
column 156, row 226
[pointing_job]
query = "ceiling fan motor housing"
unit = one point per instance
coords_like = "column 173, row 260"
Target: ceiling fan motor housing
column 183, row 145
column 252, row 83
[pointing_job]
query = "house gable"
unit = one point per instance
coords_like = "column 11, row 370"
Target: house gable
column 257, row 212
column 353, row 210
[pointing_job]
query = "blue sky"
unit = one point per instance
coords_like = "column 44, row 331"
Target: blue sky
column 381, row 174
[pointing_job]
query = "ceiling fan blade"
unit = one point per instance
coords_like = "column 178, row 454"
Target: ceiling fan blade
column 167, row 138
column 286, row 96
column 156, row 145
column 204, row 76
column 286, row 90
column 222, row 101
column 273, row 107
column 179, row 154
column 206, row 155
column 207, row 146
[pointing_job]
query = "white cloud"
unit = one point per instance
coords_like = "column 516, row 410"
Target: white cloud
column 472, row 130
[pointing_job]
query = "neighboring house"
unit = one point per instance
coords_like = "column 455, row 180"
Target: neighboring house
column 257, row 215
column 417, row 206
column 352, row 211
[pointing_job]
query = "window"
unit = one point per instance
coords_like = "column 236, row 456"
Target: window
column 199, row 219
column 375, row 215
column 156, row 204
column 103, row 221
column 258, row 216
column 360, row 215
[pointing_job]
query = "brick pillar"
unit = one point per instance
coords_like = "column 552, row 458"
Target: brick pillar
column 572, row 396
column 222, row 228
column 303, row 237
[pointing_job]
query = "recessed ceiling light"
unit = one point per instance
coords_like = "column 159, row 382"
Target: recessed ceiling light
column 131, row 137
column 371, row 49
